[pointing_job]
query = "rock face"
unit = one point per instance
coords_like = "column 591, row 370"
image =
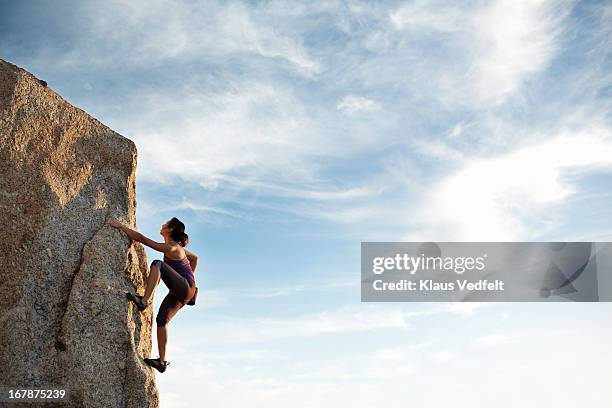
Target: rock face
column 64, row 318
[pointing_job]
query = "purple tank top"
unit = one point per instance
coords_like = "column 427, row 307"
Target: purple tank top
column 183, row 267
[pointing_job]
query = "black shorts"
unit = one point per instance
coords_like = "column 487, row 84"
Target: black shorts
column 180, row 293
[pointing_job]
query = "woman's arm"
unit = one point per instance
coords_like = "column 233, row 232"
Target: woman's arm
column 137, row 236
column 193, row 260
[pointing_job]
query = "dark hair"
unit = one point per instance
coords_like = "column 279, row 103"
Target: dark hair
column 177, row 231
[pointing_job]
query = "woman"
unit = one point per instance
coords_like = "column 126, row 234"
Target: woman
column 176, row 270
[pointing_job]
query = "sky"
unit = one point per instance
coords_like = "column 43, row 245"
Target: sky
column 283, row 134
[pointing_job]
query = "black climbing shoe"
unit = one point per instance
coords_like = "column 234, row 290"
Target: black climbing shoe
column 138, row 300
column 157, row 364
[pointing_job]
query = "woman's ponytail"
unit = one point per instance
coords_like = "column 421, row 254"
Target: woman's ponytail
column 178, row 231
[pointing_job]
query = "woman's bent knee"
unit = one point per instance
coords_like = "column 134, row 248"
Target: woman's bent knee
column 156, row 261
column 161, row 320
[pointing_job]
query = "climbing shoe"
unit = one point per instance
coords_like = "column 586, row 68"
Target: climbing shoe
column 137, row 300
column 157, row 364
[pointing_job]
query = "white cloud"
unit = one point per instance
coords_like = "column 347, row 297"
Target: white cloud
column 188, row 31
column 496, row 198
column 465, row 309
column 341, row 320
column 443, row 356
column 460, row 129
column 492, row 340
column 514, row 40
column 148, row 209
column 424, row 15
column 492, row 47
column 290, row 191
column 255, row 130
column 346, row 319
column 445, row 74
column 298, row 288
column 352, row 104
column 394, row 372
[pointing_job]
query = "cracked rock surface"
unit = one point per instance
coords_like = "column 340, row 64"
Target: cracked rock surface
column 64, row 318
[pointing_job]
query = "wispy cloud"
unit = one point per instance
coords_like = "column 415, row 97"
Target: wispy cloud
column 357, row 318
column 341, row 113
column 497, row 198
column 514, row 41
column 352, row 104
column 492, row 340
column 254, row 130
column 405, row 368
column 182, row 32
column 499, row 44
column 426, row 16
column 341, row 320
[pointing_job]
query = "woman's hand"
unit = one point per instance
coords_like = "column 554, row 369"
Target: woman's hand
column 113, row 222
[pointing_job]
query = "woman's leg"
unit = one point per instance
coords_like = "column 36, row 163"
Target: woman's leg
column 168, row 308
column 180, row 293
column 176, row 283
column 162, row 339
column 152, row 281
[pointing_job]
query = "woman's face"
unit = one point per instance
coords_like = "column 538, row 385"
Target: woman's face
column 164, row 229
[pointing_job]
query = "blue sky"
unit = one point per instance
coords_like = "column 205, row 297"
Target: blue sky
column 284, row 134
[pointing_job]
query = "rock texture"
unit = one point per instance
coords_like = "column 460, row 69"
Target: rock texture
column 64, row 318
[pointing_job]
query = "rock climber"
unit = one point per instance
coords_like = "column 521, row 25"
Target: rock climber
column 176, row 270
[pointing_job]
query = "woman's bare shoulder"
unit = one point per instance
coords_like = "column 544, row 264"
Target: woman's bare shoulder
column 175, row 252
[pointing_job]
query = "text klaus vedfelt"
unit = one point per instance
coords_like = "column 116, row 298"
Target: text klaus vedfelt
column 412, row 264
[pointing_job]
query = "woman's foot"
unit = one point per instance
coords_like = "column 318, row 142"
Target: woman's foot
column 138, row 300
column 157, row 364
